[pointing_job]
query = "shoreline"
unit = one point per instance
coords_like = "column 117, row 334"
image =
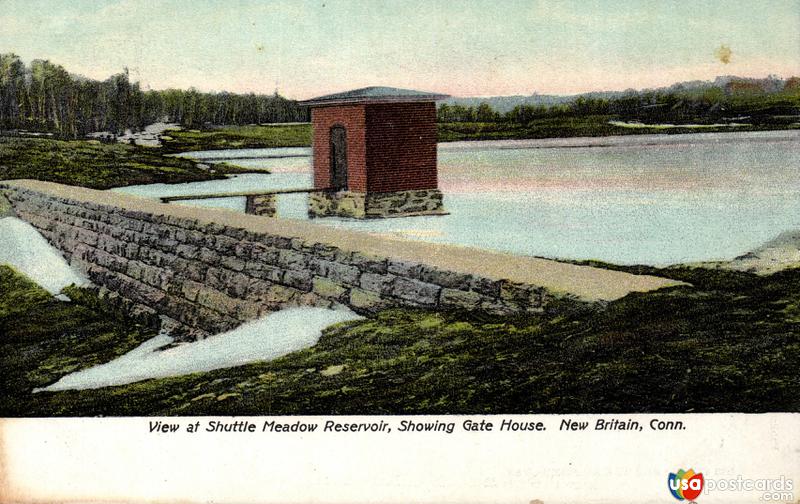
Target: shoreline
column 627, row 140
column 163, row 141
column 217, row 137
column 778, row 254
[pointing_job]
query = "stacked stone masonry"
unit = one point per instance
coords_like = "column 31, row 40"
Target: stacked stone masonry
column 208, row 278
column 265, row 205
column 375, row 205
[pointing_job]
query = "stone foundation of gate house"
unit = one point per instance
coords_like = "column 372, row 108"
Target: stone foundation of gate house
column 360, row 205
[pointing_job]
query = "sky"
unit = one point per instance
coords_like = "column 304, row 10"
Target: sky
column 463, row 48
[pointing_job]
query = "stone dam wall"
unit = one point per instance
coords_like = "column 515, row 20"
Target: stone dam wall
column 208, row 271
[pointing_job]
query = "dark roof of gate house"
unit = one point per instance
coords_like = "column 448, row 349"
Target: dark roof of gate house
column 374, row 94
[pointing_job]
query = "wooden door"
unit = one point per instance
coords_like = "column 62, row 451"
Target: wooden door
column 338, row 158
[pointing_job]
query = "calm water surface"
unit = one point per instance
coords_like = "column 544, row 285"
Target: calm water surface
column 654, row 199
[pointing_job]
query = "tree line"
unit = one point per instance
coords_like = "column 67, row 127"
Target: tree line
column 43, row 96
column 742, row 99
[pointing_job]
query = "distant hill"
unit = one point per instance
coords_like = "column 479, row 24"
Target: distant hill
column 503, row 104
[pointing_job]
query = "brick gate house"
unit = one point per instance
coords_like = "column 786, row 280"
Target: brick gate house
column 374, row 154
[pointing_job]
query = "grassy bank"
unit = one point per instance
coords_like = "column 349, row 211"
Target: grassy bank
column 238, row 137
column 729, row 343
column 584, row 126
column 94, row 164
column 43, row 338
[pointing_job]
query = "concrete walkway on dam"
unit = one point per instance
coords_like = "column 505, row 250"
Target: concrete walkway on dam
column 582, row 282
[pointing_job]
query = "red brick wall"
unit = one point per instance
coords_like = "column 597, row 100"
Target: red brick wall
column 401, row 146
column 352, row 117
column 390, row 146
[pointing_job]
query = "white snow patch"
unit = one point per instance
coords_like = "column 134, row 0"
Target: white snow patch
column 24, row 248
column 150, row 136
column 636, row 124
column 268, row 338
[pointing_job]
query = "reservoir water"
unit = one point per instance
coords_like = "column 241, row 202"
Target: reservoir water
column 651, row 199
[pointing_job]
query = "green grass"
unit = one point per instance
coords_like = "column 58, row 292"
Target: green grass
column 94, row 164
column 731, row 342
column 238, row 137
column 41, row 338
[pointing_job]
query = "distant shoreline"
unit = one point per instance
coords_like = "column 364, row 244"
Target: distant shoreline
column 583, row 128
column 174, row 139
column 299, row 135
column 629, row 140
